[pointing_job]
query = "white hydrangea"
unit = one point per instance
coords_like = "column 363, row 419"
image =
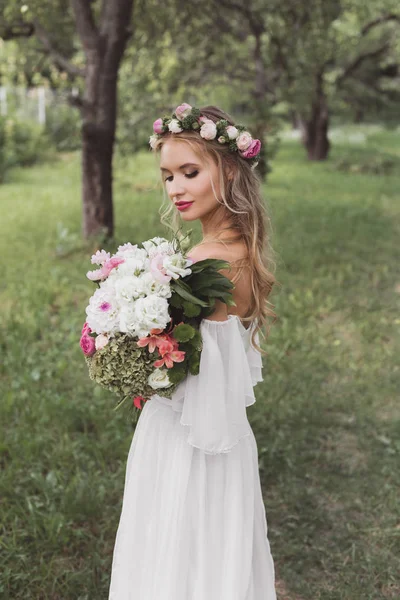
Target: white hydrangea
column 127, row 320
column 128, row 288
column 149, row 285
column 151, row 313
column 103, row 310
column 133, row 266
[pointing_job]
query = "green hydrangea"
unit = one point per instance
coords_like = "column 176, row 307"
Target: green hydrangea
column 123, row 368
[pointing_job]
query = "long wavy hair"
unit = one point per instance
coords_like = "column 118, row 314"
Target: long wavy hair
column 245, row 213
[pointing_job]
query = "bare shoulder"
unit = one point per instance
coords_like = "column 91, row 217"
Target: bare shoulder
column 216, row 250
column 213, row 250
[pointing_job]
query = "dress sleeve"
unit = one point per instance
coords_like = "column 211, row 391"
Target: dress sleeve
column 255, row 360
column 215, row 400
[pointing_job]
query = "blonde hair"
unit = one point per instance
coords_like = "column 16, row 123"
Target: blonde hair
column 248, row 216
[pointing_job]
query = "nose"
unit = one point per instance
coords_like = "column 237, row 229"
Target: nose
column 176, row 188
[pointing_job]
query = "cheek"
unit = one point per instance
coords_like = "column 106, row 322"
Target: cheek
column 202, row 186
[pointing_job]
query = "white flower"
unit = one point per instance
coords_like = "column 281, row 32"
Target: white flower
column 153, row 243
column 232, row 132
column 162, row 247
column 100, row 257
column 103, row 310
column 159, row 379
column 208, row 130
column 126, row 249
column 128, row 321
column 175, row 266
column 153, row 140
column 134, row 265
column 149, row 285
column 101, row 341
column 174, row 126
column 151, row 313
column 244, row 140
column 221, row 139
column 128, row 288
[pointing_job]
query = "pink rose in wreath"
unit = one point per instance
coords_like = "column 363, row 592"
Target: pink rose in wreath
column 252, row 150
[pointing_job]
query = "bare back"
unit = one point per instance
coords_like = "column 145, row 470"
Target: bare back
column 239, row 273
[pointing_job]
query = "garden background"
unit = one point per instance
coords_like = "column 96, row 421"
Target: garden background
column 319, row 82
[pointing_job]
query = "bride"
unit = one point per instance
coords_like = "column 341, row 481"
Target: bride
column 193, row 524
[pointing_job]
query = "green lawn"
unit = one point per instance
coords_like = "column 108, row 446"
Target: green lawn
column 327, row 413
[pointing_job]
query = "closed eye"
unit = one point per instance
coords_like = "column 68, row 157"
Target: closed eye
column 188, row 175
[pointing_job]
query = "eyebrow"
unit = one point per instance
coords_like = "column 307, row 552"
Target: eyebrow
column 182, row 166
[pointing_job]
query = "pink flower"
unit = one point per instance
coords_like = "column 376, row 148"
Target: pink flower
column 158, row 126
column 252, row 150
column 137, row 400
column 87, row 344
column 158, row 270
column 183, row 111
column 101, row 341
column 208, row 130
column 106, row 269
column 85, row 328
column 169, row 358
column 244, row 140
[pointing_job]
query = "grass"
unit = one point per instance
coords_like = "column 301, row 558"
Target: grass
column 327, row 413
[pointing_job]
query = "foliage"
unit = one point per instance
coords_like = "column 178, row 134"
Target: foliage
column 63, row 126
column 375, row 163
column 326, row 418
column 23, row 143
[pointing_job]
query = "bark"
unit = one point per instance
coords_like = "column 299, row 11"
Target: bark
column 104, row 47
column 315, row 129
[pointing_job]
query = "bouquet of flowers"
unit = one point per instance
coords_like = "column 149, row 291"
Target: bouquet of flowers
column 141, row 335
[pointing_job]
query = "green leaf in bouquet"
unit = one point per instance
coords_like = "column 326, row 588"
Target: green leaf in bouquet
column 177, row 373
column 187, row 295
column 183, row 332
column 194, row 364
column 190, row 309
column 215, row 263
column 196, row 341
column 175, row 300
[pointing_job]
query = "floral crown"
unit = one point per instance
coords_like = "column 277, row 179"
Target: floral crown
column 187, row 117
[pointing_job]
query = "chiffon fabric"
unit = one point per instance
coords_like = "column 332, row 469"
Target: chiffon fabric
column 193, row 523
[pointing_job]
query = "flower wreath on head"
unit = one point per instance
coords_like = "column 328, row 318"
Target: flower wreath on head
column 187, row 117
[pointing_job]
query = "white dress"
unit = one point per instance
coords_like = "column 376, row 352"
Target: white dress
column 193, row 523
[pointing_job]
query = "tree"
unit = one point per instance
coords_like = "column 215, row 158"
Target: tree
column 302, row 53
column 103, row 30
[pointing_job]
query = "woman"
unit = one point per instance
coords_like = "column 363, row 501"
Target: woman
column 193, row 523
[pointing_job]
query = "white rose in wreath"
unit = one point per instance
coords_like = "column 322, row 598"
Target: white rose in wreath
column 174, row 126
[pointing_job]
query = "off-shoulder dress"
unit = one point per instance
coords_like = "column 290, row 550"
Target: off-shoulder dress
column 193, row 524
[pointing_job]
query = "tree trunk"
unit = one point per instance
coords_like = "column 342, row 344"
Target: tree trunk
column 98, row 136
column 315, row 130
column 104, row 46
